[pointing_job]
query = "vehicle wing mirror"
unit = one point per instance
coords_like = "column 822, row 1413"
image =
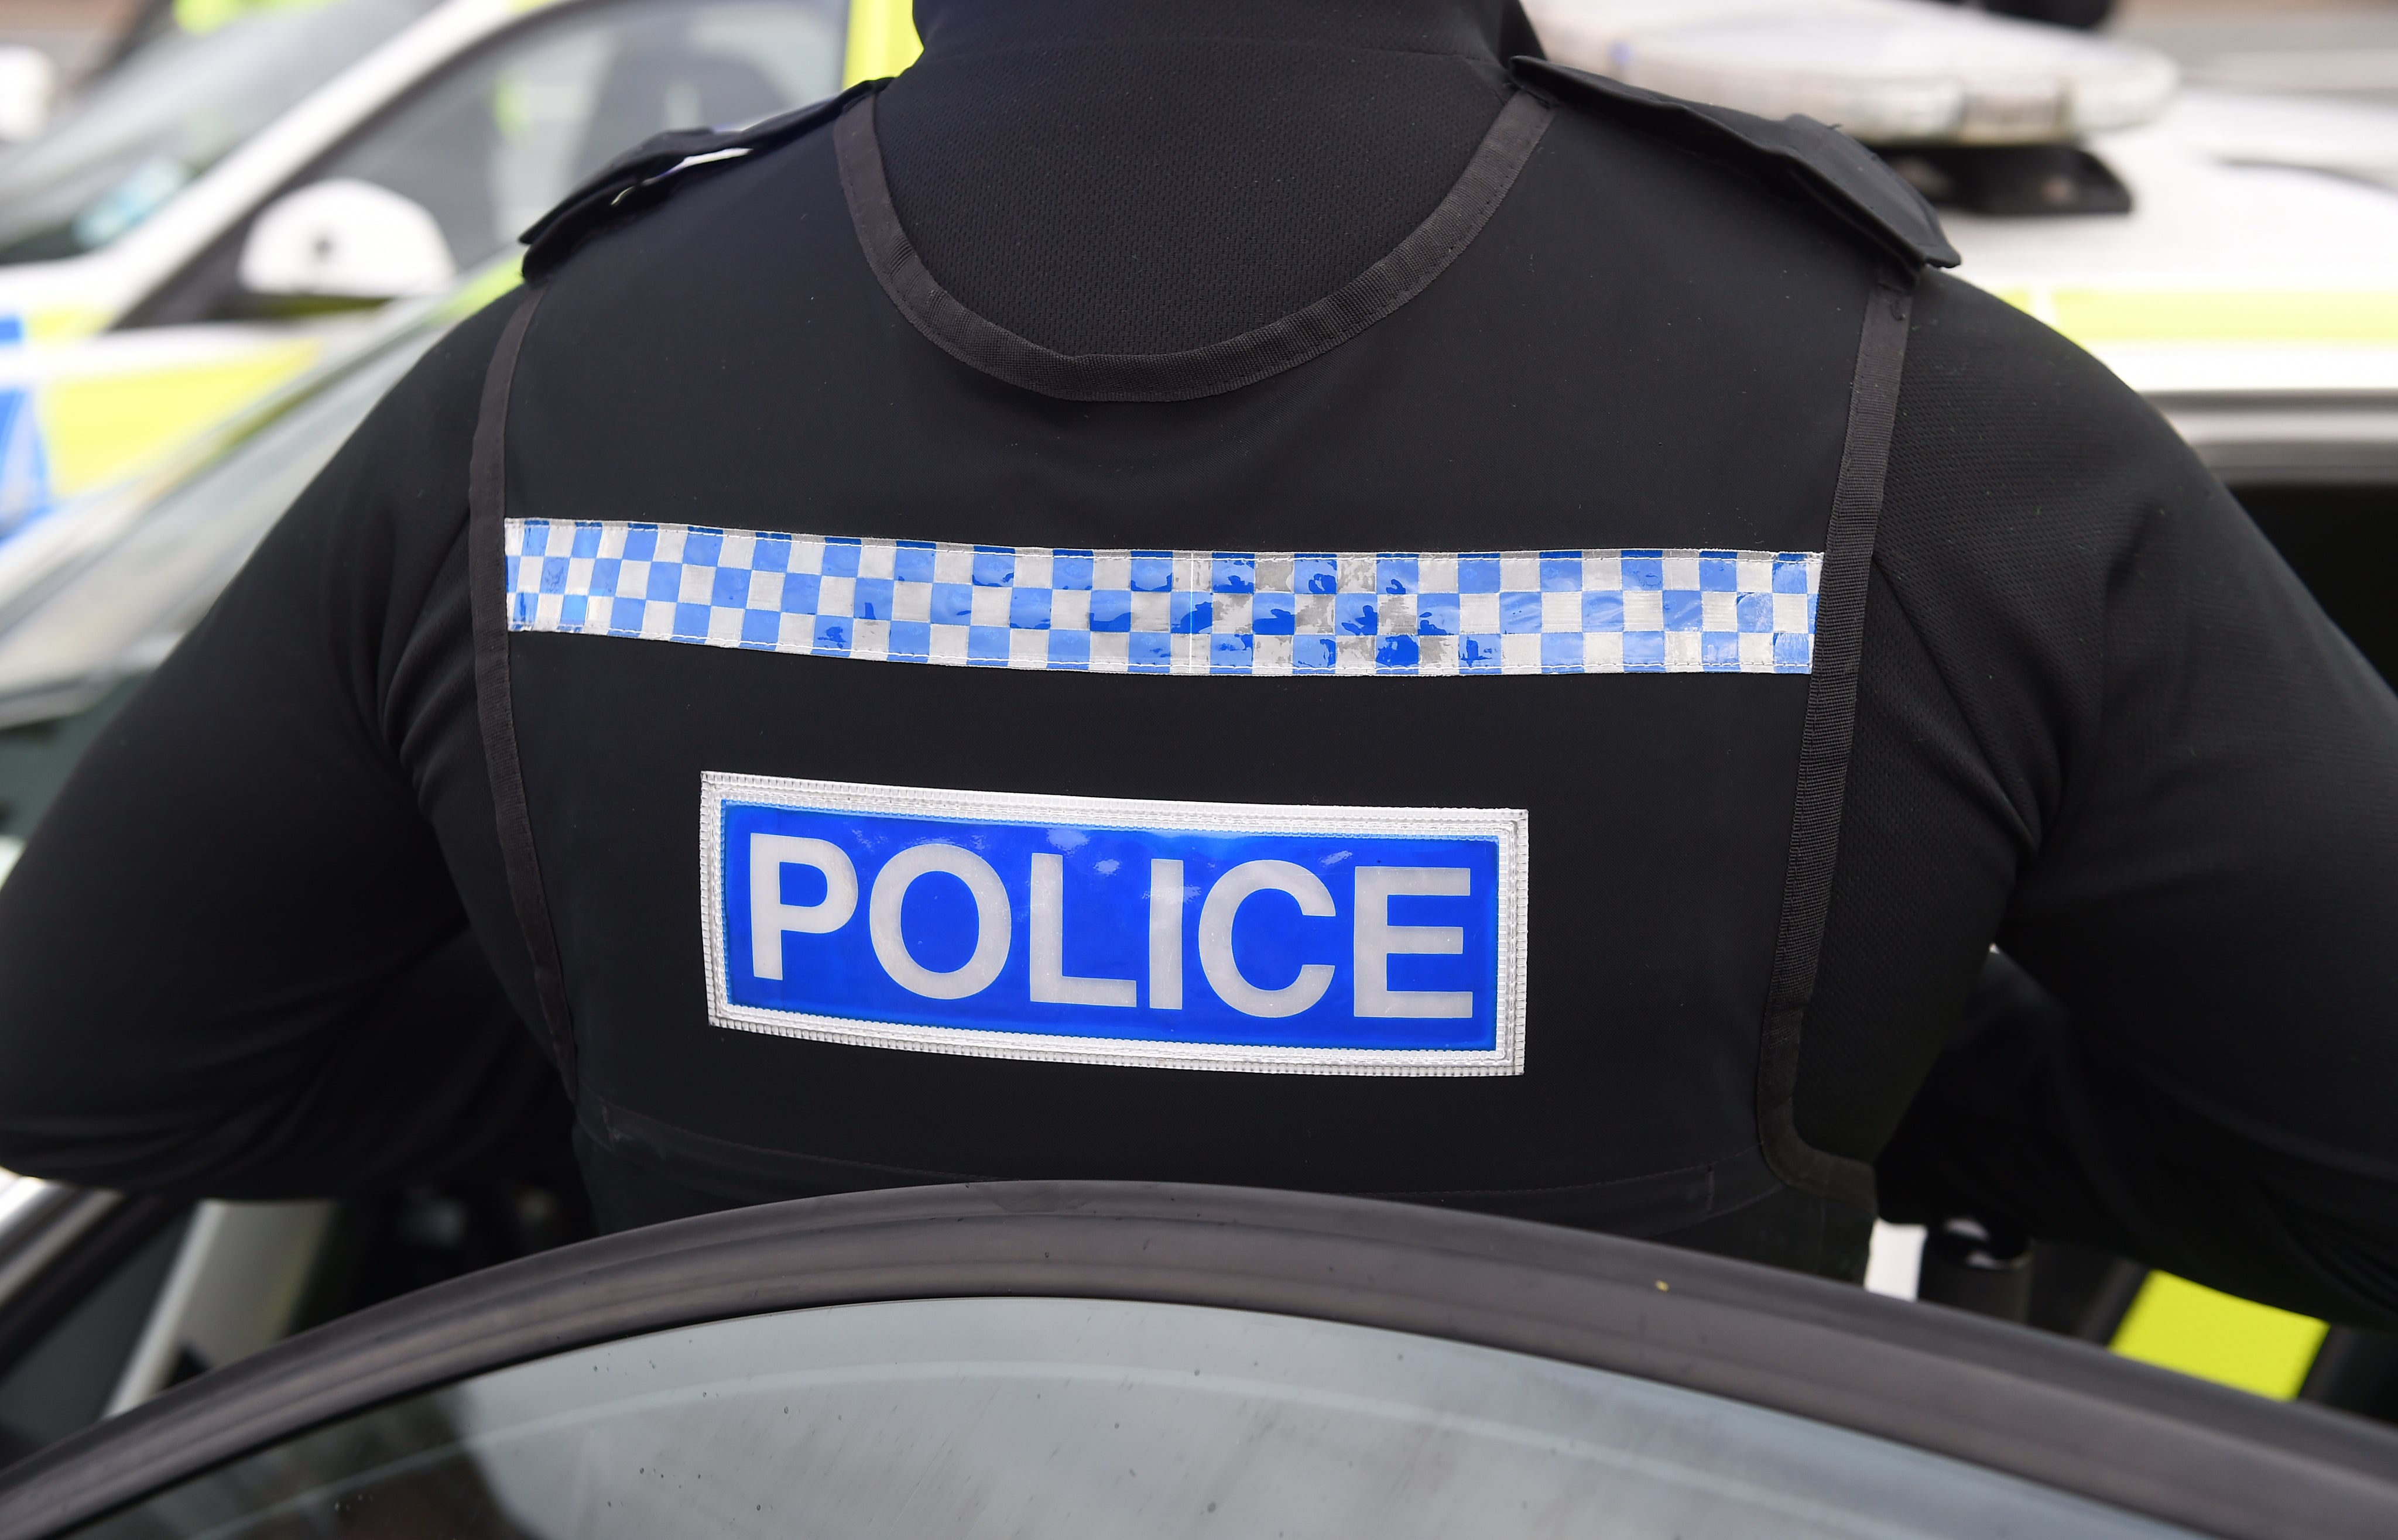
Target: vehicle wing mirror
column 346, row 240
column 29, row 83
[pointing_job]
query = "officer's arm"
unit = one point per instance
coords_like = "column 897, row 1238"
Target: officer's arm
column 2193, row 779
column 232, row 961
column 2028, row 1115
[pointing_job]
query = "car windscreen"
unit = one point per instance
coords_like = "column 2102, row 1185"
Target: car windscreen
column 178, row 104
column 488, row 147
column 1065, row 1418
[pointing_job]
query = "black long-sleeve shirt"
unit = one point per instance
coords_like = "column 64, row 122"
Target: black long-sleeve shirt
column 2099, row 723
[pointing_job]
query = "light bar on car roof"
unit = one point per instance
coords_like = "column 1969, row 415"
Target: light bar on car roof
column 1889, row 72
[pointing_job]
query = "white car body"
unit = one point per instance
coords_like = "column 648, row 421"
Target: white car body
column 2252, row 292
column 75, row 296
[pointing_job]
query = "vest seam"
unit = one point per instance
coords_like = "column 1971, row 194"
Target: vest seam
column 2029, row 832
column 495, row 700
column 1218, row 367
column 643, row 1138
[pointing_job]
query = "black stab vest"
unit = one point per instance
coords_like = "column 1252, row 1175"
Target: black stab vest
column 1549, row 532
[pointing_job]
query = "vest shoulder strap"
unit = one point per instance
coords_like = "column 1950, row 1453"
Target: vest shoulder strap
column 1852, row 182
column 649, row 173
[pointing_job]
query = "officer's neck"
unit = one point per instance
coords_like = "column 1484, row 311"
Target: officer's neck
column 955, row 27
column 1149, row 176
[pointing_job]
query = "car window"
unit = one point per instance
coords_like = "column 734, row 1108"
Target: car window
column 1065, row 1418
column 61, row 1380
column 177, row 105
column 491, row 147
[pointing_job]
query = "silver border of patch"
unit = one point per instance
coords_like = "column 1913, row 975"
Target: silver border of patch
column 1509, row 826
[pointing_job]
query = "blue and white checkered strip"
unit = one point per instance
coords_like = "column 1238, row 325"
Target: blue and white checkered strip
column 1275, row 613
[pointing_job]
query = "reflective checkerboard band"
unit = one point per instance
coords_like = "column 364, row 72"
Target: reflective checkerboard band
column 1263, row 613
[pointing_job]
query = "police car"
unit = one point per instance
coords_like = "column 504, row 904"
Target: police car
column 207, row 221
column 2227, row 252
column 1096, row 1358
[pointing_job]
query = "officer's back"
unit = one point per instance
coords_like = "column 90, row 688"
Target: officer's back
column 1182, row 689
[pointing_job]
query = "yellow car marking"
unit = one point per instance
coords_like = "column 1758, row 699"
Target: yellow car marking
column 66, row 323
column 883, row 40
column 2176, row 1324
column 102, row 428
column 198, row 16
column 2361, row 318
column 487, row 285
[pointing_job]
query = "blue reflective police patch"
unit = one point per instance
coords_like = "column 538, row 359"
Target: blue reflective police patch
column 1191, row 935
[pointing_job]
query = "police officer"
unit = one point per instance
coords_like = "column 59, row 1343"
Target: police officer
column 1240, row 591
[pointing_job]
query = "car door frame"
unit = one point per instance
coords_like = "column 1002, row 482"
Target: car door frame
column 2060, row 1413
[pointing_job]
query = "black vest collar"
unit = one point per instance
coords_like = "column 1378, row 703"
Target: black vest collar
column 958, row 28
column 1186, row 375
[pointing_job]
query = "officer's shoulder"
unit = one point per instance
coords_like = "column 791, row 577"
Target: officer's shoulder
column 651, row 171
column 1821, row 162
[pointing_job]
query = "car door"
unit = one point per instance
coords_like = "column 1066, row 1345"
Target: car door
column 1101, row 1360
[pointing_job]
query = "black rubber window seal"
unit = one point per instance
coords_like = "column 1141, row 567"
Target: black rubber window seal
column 983, row 345
column 2048, row 1409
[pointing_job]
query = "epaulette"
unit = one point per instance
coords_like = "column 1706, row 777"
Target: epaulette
column 649, row 173
column 1849, row 179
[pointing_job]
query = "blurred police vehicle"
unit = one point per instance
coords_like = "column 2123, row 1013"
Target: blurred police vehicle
column 2230, row 254
column 206, row 219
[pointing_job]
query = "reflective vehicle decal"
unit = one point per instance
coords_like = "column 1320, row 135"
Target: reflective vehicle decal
column 480, row 289
column 2094, row 314
column 53, row 324
column 2176, row 1324
column 883, row 40
column 104, row 427
column 207, row 16
column 24, row 468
